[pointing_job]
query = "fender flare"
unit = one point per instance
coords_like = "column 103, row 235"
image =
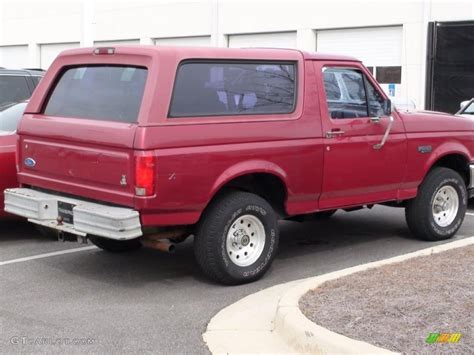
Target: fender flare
column 443, row 150
column 246, row 168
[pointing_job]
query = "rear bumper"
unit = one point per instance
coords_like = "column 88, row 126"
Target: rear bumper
column 88, row 218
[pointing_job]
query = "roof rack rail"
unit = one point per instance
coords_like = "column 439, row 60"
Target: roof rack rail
column 36, row 69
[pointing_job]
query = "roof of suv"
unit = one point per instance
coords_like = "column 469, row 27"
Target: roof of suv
column 200, row 52
column 23, row 72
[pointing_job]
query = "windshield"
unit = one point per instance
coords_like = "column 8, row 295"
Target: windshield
column 10, row 117
column 469, row 109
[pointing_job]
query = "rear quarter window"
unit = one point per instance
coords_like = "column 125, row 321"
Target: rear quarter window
column 13, row 89
column 107, row 93
column 233, row 88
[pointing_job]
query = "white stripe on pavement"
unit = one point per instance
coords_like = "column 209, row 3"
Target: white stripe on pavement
column 470, row 213
column 46, row 255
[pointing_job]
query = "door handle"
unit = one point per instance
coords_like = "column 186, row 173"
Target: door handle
column 334, row 133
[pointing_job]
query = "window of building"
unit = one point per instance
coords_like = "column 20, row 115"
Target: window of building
column 233, row 88
column 388, row 75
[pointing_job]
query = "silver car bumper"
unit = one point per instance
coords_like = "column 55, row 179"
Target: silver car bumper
column 73, row 215
column 471, row 184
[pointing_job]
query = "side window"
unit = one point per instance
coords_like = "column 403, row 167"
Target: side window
column 333, row 92
column 345, row 93
column 375, row 101
column 233, row 88
column 13, row 89
column 36, row 80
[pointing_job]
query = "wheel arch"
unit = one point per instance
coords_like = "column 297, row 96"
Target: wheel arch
column 455, row 159
column 263, row 178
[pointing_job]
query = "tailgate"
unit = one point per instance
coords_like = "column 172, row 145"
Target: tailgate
column 85, row 162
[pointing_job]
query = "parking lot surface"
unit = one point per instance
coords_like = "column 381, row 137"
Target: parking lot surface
column 147, row 301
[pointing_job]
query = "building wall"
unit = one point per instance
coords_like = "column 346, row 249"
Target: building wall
column 42, row 28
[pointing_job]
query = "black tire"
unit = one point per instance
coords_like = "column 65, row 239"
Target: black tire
column 115, row 246
column 210, row 242
column 419, row 211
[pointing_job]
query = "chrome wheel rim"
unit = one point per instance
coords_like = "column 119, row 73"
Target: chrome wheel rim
column 445, row 206
column 245, row 240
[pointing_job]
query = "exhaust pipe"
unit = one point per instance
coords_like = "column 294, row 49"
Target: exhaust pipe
column 170, row 234
column 161, row 245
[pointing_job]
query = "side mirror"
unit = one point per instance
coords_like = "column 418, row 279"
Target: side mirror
column 387, row 107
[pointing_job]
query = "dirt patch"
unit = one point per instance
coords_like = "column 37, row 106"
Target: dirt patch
column 397, row 306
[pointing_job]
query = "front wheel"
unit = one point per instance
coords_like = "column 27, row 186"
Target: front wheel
column 237, row 238
column 439, row 209
column 115, row 246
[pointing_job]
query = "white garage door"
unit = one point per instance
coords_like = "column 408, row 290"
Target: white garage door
column 374, row 46
column 272, row 40
column 116, row 43
column 14, row 57
column 198, row 41
column 379, row 48
column 49, row 52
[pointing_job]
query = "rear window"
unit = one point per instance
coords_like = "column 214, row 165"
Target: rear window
column 13, row 89
column 237, row 88
column 108, row 93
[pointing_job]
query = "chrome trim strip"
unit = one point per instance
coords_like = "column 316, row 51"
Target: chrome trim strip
column 471, row 183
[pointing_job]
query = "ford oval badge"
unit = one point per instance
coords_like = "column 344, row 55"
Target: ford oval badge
column 30, row 162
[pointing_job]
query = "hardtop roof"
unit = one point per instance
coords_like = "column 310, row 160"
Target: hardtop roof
column 216, row 52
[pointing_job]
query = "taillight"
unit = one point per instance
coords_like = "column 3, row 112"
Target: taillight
column 145, row 163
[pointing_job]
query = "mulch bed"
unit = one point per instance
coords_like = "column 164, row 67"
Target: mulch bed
column 397, row 306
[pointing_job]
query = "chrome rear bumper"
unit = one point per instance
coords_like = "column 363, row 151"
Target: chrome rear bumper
column 87, row 217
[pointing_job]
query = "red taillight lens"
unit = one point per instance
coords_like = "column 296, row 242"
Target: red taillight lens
column 145, row 164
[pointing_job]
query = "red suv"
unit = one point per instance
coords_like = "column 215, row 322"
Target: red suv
column 137, row 145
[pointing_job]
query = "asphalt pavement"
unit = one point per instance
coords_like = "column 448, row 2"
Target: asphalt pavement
column 88, row 300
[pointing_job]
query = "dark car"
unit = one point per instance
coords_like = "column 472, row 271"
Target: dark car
column 18, row 85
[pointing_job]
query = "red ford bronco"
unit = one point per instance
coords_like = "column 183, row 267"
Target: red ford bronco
column 138, row 145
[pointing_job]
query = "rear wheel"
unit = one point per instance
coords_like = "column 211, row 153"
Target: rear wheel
column 439, row 209
column 237, row 238
column 115, row 246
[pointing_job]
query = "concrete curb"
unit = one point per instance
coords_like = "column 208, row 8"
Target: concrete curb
column 270, row 321
column 307, row 337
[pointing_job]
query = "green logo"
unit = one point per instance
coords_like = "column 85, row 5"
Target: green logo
column 443, row 338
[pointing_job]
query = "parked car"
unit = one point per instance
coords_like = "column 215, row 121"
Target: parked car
column 18, row 85
column 133, row 146
column 466, row 108
column 9, row 118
